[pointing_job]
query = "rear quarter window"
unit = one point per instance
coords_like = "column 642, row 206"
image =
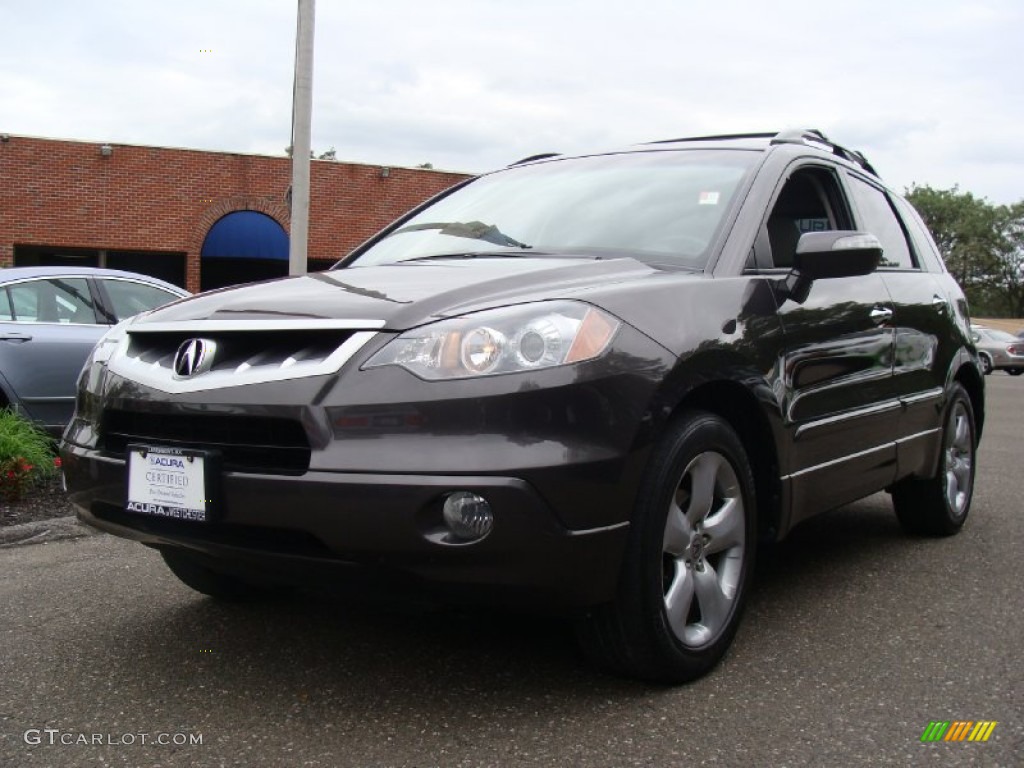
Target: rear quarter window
column 130, row 298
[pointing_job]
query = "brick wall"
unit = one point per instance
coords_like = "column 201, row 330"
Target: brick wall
column 67, row 194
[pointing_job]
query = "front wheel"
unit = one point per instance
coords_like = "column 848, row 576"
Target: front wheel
column 215, row 584
column 938, row 506
column 688, row 562
column 986, row 365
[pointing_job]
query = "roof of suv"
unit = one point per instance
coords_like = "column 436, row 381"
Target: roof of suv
column 808, row 137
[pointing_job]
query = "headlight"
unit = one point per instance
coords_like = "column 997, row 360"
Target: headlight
column 91, row 374
column 108, row 342
column 507, row 340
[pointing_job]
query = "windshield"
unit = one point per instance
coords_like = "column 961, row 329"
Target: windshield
column 661, row 206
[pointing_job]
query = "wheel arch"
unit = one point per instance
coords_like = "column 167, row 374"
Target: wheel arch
column 735, row 403
column 970, row 379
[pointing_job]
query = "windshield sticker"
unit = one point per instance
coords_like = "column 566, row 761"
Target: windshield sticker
column 708, row 198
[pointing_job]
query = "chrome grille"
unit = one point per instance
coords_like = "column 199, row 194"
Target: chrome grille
column 239, row 351
column 243, row 351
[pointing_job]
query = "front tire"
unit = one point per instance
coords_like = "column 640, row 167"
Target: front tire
column 689, row 559
column 215, row 584
column 986, row 364
column 938, row 506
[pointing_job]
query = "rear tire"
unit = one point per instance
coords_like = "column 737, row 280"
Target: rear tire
column 215, row 584
column 1015, row 371
column 938, row 506
column 688, row 561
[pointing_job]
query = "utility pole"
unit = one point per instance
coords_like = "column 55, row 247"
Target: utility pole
column 302, row 118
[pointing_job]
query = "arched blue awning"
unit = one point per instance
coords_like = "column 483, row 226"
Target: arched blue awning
column 246, row 235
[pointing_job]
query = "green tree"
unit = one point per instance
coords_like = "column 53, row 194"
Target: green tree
column 1008, row 280
column 975, row 239
column 964, row 228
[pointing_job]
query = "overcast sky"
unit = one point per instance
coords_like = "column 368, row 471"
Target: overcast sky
column 931, row 91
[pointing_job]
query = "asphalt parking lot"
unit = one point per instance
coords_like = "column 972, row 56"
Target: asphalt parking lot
column 856, row 637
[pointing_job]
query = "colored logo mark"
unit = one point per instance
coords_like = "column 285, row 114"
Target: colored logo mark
column 959, row 730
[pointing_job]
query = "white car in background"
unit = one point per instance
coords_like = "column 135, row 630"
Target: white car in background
column 998, row 350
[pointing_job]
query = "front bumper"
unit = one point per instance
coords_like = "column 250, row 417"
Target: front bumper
column 323, row 527
column 328, row 475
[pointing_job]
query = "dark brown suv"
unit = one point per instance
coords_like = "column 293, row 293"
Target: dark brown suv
column 593, row 381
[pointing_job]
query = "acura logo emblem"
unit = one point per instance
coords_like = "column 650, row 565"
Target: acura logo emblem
column 193, row 357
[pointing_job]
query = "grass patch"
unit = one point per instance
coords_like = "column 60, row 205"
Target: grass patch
column 26, row 455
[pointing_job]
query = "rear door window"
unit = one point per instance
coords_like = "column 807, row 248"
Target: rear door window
column 877, row 216
column 924, row 244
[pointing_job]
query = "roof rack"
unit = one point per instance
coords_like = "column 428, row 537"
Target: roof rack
column 720, row 137
column 810, row 136
column 531, row 158
column 816, row 137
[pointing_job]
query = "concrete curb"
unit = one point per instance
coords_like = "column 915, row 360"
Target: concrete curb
column 57, row 529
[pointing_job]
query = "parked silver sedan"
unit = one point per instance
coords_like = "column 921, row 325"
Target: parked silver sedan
column 50, row 319
column 999, row 350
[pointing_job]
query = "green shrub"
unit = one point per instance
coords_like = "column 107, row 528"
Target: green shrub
column 26, row 455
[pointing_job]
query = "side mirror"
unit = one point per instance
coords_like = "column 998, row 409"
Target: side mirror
column 821, row 255
column 826, row 255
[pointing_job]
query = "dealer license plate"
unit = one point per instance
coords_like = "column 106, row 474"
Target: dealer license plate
column 169, row 482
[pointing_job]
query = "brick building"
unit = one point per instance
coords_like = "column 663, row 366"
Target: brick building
column 174, row 213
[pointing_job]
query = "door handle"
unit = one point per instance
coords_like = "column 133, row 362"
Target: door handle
column 939, row 303
column 881, row 315
column 17, row 338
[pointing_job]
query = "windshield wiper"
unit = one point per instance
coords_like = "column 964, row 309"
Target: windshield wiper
column 473, row 255
column 474, row 230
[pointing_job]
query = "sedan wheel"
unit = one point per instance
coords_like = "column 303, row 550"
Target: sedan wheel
column 986, row 365
column 688, row 562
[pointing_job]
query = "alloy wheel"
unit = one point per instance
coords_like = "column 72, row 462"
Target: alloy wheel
column 703, row 550
column 959, row 459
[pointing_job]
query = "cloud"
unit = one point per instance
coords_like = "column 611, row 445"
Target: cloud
column 473, row 84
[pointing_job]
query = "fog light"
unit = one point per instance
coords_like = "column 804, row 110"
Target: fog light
column 467, row 515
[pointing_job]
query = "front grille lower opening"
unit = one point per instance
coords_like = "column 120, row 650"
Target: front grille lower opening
column 257, row 444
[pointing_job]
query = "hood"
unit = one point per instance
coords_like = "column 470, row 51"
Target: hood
column 406, row 294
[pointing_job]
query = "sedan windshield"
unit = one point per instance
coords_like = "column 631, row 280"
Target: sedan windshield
column 659, row 206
